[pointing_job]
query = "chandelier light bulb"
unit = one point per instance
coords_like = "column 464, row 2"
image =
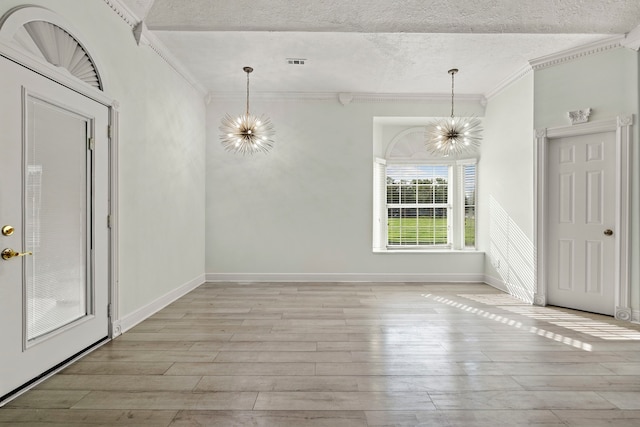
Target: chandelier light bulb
column 247, row 134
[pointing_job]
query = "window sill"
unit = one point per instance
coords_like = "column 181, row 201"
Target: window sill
column 426, row 251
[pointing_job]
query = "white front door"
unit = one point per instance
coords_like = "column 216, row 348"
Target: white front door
column 53, row 213
column 581, row 218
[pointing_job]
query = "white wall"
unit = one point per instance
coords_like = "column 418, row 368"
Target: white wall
column 608, row 83
column 161, row 155
column 635, row 208
column 505, row 197
column 305, row 209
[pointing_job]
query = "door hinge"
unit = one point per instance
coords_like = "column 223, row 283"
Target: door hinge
column 91, row 143
column 109, row 310
column 108, row 221
column 109, row 132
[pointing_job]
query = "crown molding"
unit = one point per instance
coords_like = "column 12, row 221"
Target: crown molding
column 413, row 97
column 123, row 12
column 632, row 39
column 295, row 96
column 577, row 52
column 144, row 37
column 346, row 98
column 508, row 82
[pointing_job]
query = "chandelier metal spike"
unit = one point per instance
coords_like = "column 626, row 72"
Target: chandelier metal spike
column 247, row 134
column 454, row 136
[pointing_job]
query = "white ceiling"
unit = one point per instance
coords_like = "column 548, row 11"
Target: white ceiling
column 374, row 46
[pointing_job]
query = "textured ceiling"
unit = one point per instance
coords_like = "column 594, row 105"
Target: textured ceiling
column 409, row 16
column 139, row 7
column 375, row 46
column 359, row 62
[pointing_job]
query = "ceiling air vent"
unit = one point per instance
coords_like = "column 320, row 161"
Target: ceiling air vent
column 296, row 61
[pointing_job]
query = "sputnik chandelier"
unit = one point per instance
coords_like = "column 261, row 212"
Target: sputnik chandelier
column 247, row 134
column 453, row 136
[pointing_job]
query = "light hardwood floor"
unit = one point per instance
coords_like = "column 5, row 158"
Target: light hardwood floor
column 345, row 354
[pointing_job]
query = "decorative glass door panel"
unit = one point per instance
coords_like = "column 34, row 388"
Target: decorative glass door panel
column 57, row 214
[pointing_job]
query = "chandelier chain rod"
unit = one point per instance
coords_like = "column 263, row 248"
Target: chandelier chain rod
column 247, row 93
column 452, row 77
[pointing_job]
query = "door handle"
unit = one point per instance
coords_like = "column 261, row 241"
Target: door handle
column 8, row 253
column 608, row 232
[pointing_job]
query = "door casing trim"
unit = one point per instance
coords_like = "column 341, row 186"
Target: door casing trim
column 622, row 125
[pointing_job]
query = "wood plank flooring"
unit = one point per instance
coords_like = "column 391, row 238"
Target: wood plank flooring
column 350, row 354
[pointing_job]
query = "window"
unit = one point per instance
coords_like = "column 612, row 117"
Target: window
column 417, row 205
column 424, row 206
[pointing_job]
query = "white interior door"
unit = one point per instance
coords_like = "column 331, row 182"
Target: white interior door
column 53, row 210
column 581, row 218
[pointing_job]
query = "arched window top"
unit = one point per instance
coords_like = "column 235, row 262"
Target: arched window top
column 408, row 145
column 46, row 36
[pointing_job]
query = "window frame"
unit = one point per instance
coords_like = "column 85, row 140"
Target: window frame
column 462, row 165
column 447, row 205
column 456, row 206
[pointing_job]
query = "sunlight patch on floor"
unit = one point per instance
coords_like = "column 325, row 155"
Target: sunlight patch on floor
column 513, row 323
column 554, row 316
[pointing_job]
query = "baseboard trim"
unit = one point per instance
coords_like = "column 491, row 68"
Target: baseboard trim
column 635, row 316
column 496, row 283
column 132, row 319
column 343, row 277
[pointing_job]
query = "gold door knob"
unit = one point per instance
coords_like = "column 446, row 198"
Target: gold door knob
column 7, row 230
column 608, row 232
column 8, row 253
